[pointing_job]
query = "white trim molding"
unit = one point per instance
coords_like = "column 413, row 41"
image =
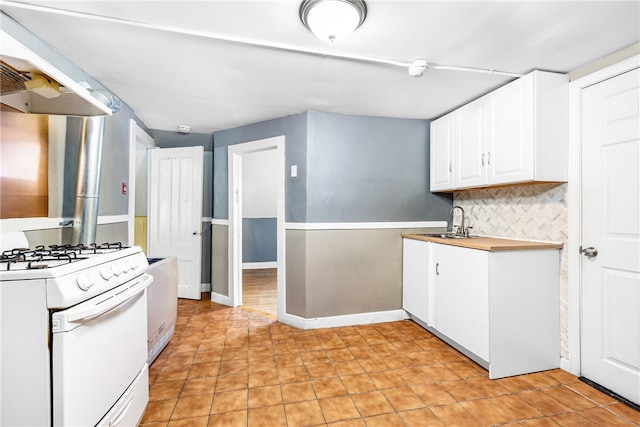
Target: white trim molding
column 343, row 320
column 221, row 299
column 350, row 225
column 29, row 224
column 259, row 265
column 574, row 197
column 362, row 225
column 112, row 219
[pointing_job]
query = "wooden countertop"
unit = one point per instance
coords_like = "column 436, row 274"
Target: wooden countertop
column 491, row 244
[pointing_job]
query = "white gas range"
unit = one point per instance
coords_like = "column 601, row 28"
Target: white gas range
column 73, row 335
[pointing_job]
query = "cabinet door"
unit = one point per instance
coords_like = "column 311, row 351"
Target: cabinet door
column 442, row 151
column 415, row 278
column 470, row 152
column 462, row 296
column 510, row 155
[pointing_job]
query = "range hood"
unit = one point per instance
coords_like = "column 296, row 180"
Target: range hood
column 20, row 65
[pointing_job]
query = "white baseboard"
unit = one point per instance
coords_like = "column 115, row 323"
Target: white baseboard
column 344, row 320
column 259, row 265
column 565, row 365
column 221, row 299
column 205, row 287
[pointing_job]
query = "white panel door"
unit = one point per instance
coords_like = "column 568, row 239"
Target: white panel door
column 611, row 226
column 175, row 212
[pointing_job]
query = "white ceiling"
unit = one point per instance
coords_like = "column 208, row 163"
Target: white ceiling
column 169, row 65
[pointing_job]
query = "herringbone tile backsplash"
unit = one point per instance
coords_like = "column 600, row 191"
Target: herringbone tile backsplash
column 531, row 212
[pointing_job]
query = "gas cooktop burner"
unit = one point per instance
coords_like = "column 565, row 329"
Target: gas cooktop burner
column 53, row 255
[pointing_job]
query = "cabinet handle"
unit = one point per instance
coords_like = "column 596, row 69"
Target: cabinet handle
column 450, row 166
column 489, row 158
column 482, row 159
column 437, row 265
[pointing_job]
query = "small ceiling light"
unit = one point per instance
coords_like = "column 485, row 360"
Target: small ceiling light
column 332, row 20
column 184, row 129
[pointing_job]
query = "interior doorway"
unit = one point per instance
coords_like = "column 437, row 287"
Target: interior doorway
column 239, row 156
column 140, row 142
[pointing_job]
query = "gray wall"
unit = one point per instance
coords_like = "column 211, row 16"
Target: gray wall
column 294, row 128
column 350, row 169
column 363, row 169
column 115, row 164
column 259, row 240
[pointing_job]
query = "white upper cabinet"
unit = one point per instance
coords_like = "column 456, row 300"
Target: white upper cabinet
column 470, row 145
column 442, row 146
column 515, row 134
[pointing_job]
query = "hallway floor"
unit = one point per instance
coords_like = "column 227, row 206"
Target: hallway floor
column 231, row 367
column 260, row 291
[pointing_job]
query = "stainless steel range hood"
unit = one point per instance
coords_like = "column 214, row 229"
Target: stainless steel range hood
column 23, row 64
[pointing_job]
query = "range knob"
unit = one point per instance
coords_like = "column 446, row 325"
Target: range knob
column 106, row 273
column 115, row 268
column 85, row 281
column 124, row 266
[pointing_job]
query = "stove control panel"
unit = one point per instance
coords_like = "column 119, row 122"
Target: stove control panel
column 99, row 275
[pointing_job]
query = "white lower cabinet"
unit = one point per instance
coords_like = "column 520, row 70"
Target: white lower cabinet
column 461, row 291
column 415, row 277
column 502, row 309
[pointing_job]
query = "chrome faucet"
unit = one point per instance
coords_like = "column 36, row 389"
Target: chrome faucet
column 457, row 227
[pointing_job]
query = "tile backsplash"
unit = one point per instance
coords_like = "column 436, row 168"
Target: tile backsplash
column 532, row 212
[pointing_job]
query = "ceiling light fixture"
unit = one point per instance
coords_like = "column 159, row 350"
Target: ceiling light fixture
column 332, row 20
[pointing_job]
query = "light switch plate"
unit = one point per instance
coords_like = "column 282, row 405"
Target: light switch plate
column 294, row 171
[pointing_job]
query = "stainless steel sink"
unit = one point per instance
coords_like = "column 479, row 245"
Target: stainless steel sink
column 450, row 236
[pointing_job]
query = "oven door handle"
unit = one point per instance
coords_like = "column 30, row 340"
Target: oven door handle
column 111, row 303
column 123, row 412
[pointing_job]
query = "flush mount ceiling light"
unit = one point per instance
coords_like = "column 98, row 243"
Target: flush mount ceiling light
column 332, row 20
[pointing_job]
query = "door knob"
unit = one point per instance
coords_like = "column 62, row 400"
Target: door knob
column 589, row 252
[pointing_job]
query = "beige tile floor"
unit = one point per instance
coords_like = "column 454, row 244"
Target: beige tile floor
column 231, row 367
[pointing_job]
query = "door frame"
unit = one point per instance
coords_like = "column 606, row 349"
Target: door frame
column 136, row 135
column 235, row 154
column 574, row 195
